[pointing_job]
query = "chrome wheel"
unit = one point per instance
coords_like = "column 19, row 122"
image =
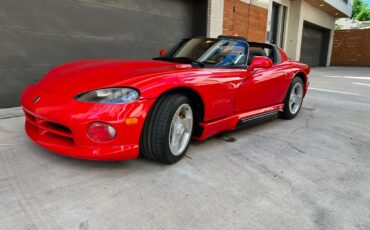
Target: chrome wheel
column 181, row 129
column 295, row 98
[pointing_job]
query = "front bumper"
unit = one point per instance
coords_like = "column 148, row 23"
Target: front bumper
column 60, row 124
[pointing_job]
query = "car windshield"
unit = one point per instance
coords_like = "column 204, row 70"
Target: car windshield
column 209, row 52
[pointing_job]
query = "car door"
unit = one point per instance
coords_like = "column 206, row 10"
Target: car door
column 261, row 88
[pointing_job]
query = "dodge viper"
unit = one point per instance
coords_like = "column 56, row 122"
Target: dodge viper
column 109, row 109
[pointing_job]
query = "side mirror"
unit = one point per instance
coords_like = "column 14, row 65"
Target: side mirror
column 163, row 52
column 260, row 62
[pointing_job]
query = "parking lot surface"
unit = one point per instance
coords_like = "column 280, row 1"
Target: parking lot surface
column 312, row 172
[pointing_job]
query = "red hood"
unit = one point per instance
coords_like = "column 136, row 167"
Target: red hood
column 82, row 76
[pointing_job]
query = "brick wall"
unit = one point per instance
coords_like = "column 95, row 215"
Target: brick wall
column 257, row 24
column 245, row 19
column 351, row 48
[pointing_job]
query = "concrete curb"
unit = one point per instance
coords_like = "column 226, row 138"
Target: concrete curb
column 11, row 112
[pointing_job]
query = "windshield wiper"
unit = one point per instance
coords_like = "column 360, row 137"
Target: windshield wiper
column 180, row 59
column 188, row 60
column 163, row 59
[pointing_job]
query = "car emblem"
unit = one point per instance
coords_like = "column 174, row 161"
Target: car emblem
column 36, row 99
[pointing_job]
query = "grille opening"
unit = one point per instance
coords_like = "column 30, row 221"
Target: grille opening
column 59, row 127
column 51, row 137
column 55, row 132
column 47, row 124
column 63, row 139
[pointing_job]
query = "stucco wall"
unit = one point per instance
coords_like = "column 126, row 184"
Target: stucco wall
column 295, row 26
column 317, row 16
column 215, row 17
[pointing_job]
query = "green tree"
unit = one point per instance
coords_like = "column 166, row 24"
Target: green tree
column 364, row 15
column 357, row 7
column 360, row 11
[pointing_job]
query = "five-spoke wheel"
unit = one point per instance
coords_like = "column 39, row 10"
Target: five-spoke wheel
column 181, row 129
column 168, row 129
column 293, row 100
column 296, row 97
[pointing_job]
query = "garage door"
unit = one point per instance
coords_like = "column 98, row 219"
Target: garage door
column 315, row 41
column 39, row 34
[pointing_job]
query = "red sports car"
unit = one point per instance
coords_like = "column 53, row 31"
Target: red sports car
column 118, row 109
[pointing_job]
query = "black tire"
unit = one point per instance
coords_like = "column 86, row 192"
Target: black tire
column 154, row 141
column 287, row 113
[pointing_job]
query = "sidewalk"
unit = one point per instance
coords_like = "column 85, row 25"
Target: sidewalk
column 11, row 112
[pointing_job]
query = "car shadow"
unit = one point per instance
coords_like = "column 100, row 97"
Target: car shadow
column 83, row 164
column 231, row 136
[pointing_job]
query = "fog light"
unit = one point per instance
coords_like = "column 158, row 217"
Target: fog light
column 101, row 132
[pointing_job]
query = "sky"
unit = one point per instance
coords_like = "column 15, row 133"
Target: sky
column 368, row 3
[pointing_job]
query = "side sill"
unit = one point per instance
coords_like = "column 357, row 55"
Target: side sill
column 258, row 119
column 236, row 121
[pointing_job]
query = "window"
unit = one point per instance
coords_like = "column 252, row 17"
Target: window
column 278, row 21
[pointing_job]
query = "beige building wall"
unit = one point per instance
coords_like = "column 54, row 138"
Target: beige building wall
column 294, row 30
column 215, row 17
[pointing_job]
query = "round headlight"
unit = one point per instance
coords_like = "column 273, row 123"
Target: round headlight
column 109, row 96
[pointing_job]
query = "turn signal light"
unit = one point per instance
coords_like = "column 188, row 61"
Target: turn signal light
column 131, row 121
column 101, row 132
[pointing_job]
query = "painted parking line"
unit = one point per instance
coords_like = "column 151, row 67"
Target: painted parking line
column 333, row 91
column 350, row 77
column 360, row 83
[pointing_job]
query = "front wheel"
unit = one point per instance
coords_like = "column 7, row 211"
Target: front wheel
column 293, row 100
column 168, row 129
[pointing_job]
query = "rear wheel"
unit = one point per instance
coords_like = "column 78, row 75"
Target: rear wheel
column 293, row 100
column 168, row 129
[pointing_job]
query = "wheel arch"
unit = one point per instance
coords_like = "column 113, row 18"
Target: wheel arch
column 198, row 104
column 301, row 75
column 304, row 77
